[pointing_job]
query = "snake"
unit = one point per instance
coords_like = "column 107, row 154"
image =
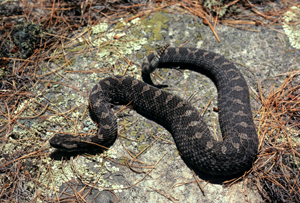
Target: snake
column 233, row 154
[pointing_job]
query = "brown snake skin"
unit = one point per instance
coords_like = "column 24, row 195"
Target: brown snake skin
column 234, row 154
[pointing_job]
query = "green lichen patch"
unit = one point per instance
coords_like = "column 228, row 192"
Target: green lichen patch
column 291, row 26
column 115, row 44
column 154, row 25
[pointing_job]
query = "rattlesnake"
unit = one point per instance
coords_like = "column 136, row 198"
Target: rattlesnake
column 234, row 154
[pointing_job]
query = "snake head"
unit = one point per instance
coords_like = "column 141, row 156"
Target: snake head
column 65, row 142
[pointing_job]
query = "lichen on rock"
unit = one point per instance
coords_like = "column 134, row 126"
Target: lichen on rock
column 291, row 26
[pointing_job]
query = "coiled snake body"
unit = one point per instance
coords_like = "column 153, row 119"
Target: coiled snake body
column 232, row 155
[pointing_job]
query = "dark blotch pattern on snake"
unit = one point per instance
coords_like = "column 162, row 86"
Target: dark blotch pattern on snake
column 232, row 155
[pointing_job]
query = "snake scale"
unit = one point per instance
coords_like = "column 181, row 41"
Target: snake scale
column 233, row 154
